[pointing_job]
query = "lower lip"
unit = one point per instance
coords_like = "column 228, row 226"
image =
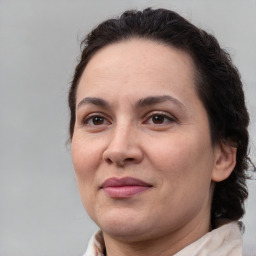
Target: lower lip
column 124, row 191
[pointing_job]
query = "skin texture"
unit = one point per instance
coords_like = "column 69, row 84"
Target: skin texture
column 165, row 143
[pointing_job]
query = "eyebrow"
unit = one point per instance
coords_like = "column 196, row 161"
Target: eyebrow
column 151, row 100
column 148, row 101
column 94, row 101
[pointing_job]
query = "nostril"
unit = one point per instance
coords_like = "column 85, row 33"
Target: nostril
column 129, row 159
column 120, row 162
column 122, row 157
column 109, row 161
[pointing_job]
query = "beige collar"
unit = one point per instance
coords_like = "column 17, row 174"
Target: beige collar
column 225, row 240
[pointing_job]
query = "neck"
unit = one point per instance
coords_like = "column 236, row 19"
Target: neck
column 165, row 245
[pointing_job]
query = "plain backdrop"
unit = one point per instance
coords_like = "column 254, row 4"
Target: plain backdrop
column 40, row 209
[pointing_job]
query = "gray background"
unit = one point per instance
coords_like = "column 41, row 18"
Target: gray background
column 40, row 209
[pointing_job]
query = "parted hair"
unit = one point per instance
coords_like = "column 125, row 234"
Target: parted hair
column 218, row 85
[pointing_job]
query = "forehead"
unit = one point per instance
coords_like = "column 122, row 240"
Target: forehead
column 138, row 63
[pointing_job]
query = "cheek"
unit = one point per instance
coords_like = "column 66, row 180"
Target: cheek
column 184, row 160
column 85, row 156
column 84, row 165
column 185, row 166
column 85, row 160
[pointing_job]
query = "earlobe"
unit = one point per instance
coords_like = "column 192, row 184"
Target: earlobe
column 225, row 161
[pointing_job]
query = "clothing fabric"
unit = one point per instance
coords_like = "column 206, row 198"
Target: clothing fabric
column 226, row 240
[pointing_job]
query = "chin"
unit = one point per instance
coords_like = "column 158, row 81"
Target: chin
column 123, row 224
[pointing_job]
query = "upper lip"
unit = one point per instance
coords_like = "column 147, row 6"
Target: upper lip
column 126, row 181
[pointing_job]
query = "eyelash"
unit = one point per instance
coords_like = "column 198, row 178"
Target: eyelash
column 164, row 119
column 89, row 118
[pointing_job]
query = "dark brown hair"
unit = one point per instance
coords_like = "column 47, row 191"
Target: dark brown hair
column 218, row 86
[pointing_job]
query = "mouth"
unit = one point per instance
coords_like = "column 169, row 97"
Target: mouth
column 125, row 187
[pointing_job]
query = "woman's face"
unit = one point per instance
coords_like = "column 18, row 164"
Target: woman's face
column 141, row 147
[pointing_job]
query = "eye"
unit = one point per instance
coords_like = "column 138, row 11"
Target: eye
column 159, row 119
column 95, row 120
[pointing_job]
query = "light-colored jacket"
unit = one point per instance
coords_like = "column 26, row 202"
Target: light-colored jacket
column 225, row 240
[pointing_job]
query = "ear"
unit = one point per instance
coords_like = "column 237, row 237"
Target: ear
column 225, row 161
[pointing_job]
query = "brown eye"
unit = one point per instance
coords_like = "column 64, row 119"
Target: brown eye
column 97, row 120
column 158, row 119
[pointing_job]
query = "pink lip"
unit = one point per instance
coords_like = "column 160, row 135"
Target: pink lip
column 124, row 187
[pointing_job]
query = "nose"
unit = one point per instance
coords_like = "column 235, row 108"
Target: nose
column 123, row 147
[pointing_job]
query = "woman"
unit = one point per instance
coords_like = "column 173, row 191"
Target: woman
column 159, row 138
